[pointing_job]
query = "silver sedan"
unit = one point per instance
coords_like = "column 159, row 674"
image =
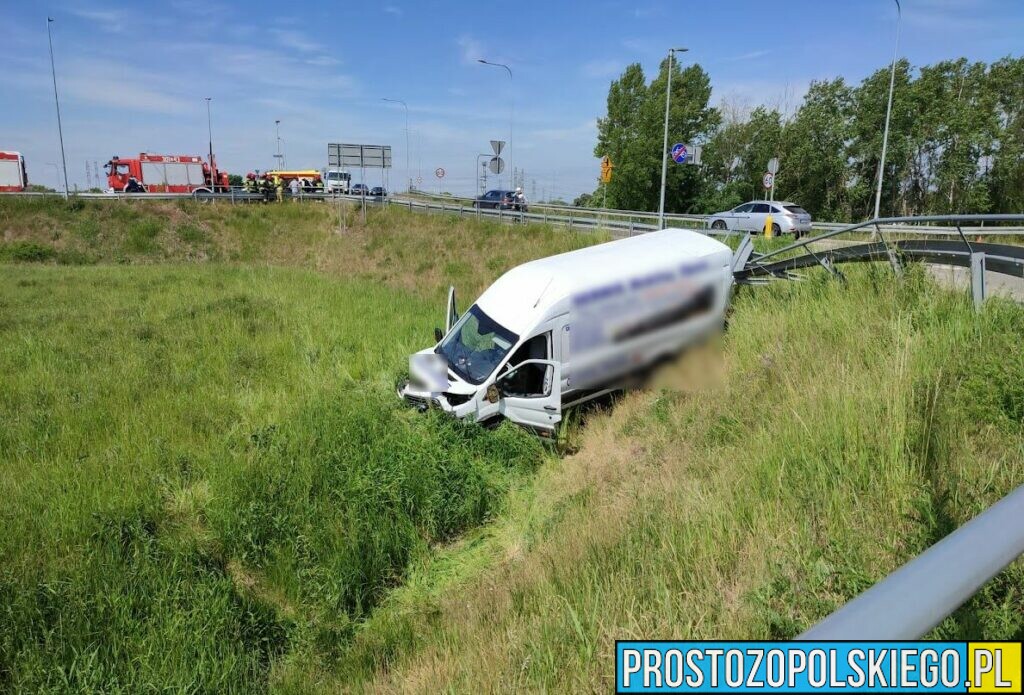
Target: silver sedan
column 787, row 218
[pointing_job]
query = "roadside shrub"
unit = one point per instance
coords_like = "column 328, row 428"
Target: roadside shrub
column 141, row 236
column 191, row 234
column 74, row 257
column 27, row 252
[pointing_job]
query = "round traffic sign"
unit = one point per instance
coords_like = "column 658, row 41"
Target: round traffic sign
column 439, row 172
column 768, row 180
column 496, row 165
column 773, row 166
column 679, row 153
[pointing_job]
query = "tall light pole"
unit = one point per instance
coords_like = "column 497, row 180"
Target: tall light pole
column 512, row 112
column 209, row 130
column 484, row 167
column 60, row 130
column 408, row 171
column 888, row 111
column 664, row 143
column 278, row 156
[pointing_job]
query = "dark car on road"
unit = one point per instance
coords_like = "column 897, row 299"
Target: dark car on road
column 359, row 189
column 378, row 192
column 499, row 200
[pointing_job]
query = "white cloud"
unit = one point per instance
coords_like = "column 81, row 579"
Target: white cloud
column 392, row 9
column 112, row 21
column 471, row 49
column 751, row 55
column 602, row 68
column 296, row 40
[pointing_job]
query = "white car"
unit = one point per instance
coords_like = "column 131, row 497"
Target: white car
column 787, row 218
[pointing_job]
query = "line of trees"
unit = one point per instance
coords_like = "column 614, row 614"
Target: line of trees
column 956, row 143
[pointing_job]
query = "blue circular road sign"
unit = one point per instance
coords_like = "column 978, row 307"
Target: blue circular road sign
column 679, row 153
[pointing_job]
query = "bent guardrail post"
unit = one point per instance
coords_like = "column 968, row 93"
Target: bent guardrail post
column 918, row 596
column 978, row 283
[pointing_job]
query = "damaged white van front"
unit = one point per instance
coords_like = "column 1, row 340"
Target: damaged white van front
column 561, row 330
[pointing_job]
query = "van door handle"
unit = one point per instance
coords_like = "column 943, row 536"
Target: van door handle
column 550, row 407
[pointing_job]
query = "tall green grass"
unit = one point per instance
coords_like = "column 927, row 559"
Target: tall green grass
column 205, row 468
column 209, row 484
column 853, row 425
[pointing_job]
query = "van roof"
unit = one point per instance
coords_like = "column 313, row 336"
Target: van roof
column 523, row 295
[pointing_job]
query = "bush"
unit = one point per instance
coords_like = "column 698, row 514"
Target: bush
column 27, row 252
column 142, row 236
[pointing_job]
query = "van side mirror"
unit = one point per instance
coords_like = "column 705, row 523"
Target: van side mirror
column 438, row 335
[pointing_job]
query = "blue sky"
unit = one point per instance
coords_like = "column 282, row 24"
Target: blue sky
column 133, row 76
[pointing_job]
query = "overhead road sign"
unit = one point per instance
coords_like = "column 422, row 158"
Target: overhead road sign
column 362, row 156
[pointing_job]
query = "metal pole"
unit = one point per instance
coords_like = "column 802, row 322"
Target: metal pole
column 916, row 597
column 209, row 130
column 278, row 156
column 888, row 111
column 60, row 130
column 481, row 181
column 664, row 144
column 512, row 113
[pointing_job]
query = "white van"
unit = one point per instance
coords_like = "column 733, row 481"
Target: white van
column 558, row 331
column 336, row 181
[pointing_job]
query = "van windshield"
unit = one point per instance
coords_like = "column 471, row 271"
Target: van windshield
column 476, row 345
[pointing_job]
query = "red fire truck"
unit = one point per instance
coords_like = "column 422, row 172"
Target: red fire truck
column 12, row 172
column 157, row 173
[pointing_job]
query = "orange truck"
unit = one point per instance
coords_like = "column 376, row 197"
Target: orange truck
column 13, row 178
column 158, row 173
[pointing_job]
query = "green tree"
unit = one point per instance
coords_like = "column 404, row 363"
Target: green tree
column 814, row 168
column 867, row 124
column 1006, row 174
column 632, row 130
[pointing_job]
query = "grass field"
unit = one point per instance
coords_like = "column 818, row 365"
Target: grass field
column 209, row 484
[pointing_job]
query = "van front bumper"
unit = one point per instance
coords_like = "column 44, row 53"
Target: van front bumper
column 421, row 400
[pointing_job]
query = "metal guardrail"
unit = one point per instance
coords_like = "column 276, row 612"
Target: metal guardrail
column 978, row 257
column 617, row 222
column 918, row 596
column 901, row 225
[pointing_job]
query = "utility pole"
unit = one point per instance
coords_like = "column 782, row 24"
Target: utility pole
column 481, row 178
column 278, row 156
column 664, row 144
column 60, row 130
column 512, row 110
column 209, row 130
column 888, row 112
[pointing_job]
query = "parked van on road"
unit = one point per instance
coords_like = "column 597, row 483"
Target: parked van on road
column 558, row 331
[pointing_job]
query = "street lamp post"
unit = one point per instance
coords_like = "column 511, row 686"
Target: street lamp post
column 664, row 144
column 888, row 111
column 278, row 156
column 512, row 112
column 408, row 172
column 484, row 167
column 60, row 130
column 209, row 130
